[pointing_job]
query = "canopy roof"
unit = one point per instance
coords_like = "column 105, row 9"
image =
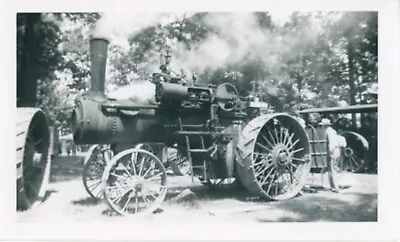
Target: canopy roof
column 364, row 108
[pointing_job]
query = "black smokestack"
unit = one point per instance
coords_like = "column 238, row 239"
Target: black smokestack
column 98, row 59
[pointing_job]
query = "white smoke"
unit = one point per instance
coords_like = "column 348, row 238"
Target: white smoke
column 141, row 92
column 235, row 37
column 117, row 27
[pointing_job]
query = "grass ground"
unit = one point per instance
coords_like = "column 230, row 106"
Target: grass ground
column 68, row 201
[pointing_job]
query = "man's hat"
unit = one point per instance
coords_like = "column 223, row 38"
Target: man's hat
column 325, row 122
column 168, row 52
column 373, row 89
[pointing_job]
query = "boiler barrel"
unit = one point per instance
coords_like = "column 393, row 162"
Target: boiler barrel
column 92, row 125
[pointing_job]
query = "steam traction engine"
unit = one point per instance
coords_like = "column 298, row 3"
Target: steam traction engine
column 268, row 154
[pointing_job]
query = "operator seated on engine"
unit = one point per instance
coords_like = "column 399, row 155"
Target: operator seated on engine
column 166, row 73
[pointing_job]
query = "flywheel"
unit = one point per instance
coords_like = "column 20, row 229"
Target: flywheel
column 273, row 158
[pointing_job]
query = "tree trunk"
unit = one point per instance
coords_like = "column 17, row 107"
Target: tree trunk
column 350, row 55
column 27, row 73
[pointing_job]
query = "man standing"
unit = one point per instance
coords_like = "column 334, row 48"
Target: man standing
column 336, row 144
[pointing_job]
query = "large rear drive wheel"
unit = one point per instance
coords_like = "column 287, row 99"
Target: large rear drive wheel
column 134, row 182
column 33, row 158
column 273, row 157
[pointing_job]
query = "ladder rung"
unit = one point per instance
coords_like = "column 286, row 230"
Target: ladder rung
column 324, row 153
column 203, row 133
column 184, row 125
column 198, row 150
column 201, row 167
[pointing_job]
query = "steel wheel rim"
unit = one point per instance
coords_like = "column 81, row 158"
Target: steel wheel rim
column 34, row 163
column 95, row 164
column 134, row 182
column 354, row 155
column 146, row 147
column 280, row 164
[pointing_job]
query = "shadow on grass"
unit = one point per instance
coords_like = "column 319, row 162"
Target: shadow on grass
column 324, row 205
column 204, row 193
column 312, row 209
column 111, row 213
column 48, row 194
column 88, row 201
column 66, row 168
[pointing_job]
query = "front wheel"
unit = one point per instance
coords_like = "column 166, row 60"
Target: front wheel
column 134, row 182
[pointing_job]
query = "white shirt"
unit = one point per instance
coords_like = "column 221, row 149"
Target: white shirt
column 335, row 142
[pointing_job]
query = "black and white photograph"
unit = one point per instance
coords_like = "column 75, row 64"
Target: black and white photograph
column 267, row 117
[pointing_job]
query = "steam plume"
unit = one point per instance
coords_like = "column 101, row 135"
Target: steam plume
column 235, row 37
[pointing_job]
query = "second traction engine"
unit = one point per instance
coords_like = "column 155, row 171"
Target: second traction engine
column 269, row 154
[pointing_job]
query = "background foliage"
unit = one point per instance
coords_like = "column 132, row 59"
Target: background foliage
column 311, row 60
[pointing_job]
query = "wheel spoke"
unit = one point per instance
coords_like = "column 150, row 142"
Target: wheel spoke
column 285, row 179
column 141, row 165
column 292, row 176
column 153, row 193
column 351, row 163
column 133, row 161
column 261, row 161
column 277, row 137
column 293, row 144
column 145, row 199
column 264, row 147
column 98, row 194
column 286, row 136
column 120, row 196
column 127, row 201
column 148, row 170
column 276, row 187
column 298, row 159
column 266, row 177
column 136, row 204
column 264, row 169
column 94, row 186
column 94, row 177
column 298, row 150
column 294, row 165
column 289, row 140
column 154, row 177
column 266, row 140
column 269, row 132
column 272, row 181
column 355, row 162
column 126, row 170
column 260, row 154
